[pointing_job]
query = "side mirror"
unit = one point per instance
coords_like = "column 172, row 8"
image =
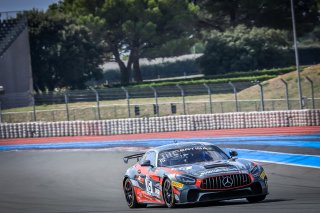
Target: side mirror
column 146, row 163
column 233, row 153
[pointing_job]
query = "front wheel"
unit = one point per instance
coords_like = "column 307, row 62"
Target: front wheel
column 130, row 196
column 168, row 195
column 256, row 199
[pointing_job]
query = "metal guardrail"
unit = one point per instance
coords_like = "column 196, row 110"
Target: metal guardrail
column 117, row 111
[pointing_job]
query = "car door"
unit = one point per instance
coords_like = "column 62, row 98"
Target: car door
column 147, row 175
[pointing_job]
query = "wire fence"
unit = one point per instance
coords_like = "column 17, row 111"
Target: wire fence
column 117, row 103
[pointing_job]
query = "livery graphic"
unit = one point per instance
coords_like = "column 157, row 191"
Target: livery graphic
column 191, row 172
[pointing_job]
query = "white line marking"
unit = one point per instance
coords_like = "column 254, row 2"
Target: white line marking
column 281, row 153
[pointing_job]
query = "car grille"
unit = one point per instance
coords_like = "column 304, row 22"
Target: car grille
column 226, row 181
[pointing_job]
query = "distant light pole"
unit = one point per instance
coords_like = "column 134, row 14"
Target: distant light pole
column 296, row 53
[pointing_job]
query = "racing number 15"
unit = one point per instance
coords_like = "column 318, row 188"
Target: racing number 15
column 149, row 186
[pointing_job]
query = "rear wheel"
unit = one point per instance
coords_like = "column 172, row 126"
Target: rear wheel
column 256, row 199
column 168, row 195
column 130, row 195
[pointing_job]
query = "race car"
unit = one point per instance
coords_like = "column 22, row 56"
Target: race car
column 191, row 172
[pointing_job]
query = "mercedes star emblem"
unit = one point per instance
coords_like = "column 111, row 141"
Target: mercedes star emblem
column 227, row 182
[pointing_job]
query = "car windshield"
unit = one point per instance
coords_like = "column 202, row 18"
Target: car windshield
column 189, row 155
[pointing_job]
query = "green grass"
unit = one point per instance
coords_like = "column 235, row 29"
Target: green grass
column 274, row 88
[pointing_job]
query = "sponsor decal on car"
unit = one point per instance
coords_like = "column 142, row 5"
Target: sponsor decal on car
column 157, row 192
column 140, row 179
column 185, row 168
column 177, row 184
column 263, row 175
column 217, row 170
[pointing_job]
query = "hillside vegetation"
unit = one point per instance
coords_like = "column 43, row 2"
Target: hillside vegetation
column 256, row 75
column 274, row 88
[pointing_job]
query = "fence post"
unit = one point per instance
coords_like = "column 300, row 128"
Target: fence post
column 221, row 106
column 66, row 100
column 155, row 99
column 128, row 100
column 261, row 96
column 33, row 107
column 312, row 91
column 209, row 94
column 272, row 103
column 287, row 92
column 235, row 95
column 98, row 102
column 183, row 99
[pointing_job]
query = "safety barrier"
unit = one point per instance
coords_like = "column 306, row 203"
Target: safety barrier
column 162, row 124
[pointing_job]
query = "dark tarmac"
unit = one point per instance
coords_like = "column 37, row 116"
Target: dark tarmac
column 71, row 181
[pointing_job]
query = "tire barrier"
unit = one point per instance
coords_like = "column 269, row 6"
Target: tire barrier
column 238, row 120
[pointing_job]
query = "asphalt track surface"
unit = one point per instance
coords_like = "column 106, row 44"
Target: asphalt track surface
column 69, row 181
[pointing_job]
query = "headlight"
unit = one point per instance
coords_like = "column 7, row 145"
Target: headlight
column 185, row 179
column 255, row 169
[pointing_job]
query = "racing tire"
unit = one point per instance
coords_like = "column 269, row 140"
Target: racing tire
column 167, row 194
column 130, row 195
column 256, row 199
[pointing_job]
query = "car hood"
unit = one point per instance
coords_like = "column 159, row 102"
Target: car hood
column 214, row 168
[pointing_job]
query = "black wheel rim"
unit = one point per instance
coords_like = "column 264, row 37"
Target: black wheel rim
column 167, row 192
column 128, row 190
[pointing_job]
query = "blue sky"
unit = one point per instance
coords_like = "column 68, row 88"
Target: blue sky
column 18, row 5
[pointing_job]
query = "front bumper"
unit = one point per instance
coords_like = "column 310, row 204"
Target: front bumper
column 193, row 194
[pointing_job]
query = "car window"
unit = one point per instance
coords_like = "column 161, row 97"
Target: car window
column 149, row 156
column 189, row 155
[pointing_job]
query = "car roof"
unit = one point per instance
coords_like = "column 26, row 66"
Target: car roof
column 180, row 145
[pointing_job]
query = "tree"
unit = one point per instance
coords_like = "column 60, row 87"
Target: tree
column 221, row 14
column 172, row 48
column 244, row 49
column 131, row 27
column 63, row 54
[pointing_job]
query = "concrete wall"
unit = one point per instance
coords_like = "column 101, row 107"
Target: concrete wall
column 162, row 124
column 16, row 73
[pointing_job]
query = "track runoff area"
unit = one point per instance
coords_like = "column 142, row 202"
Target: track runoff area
column 84, row 174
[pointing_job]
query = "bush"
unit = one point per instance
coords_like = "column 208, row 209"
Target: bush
column 208, row 81
column 244, row 49
column 153, row 71
column 274, row 71
column 169, row 69
column 308, row 55
column 259, row 75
